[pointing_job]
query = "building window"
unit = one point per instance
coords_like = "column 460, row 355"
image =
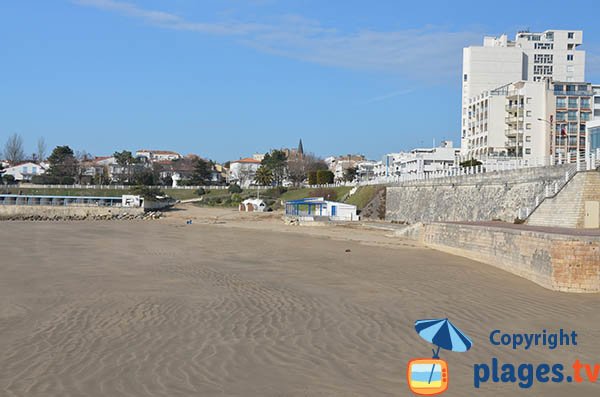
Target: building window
column 571, row 35
column 561, row 103
column 572, row 115
column 543, row 46
column 528, row 126
column 585, row 103
column 528, row 151
column 543, row 58
column 573, row 103
column 24, row 170
column 528, row 138
column 529, row 113
column 569, row 57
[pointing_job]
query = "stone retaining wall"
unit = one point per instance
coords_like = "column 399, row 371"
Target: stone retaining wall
column 556, row 261
column 482, row 197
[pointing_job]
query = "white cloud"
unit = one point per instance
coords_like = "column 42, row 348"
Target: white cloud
column 426, row 53
column 385, row 97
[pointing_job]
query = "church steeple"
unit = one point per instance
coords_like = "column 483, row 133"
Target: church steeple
column 300, row 148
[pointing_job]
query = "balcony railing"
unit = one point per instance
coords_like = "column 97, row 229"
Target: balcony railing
column 513, row 120
column 509, row 132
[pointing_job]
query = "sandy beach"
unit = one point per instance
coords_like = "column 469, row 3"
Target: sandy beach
column 237, row 305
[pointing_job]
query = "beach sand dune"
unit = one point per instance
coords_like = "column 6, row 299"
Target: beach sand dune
column 161, row 309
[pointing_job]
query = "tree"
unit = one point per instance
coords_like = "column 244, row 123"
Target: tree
column 350, row 174
column 202, row 172
column 13, row 149
column 125, row 160
column 264, row 176
column 324, row 177
column 299, row 167
column 62, row 162
column 41, row 149
column 276, row 162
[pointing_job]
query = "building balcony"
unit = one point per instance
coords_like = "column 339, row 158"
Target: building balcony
column 513, row 143
column 514, row 108
column 510, row 132
column 513, row 120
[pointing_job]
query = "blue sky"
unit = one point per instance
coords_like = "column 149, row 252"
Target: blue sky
column 227, row 78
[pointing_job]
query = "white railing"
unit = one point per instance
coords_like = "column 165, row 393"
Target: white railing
column 127, row 187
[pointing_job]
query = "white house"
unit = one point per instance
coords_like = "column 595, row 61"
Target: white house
column 243, row 171
column 23, row 172
column 158, row 155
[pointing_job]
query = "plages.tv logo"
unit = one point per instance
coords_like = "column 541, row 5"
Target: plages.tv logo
column 429, row 376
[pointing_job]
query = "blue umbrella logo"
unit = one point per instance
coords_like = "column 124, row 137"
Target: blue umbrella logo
column 443, row 334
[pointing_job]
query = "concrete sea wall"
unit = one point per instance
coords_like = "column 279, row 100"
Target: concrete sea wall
column 481, row 197
column 561, row 262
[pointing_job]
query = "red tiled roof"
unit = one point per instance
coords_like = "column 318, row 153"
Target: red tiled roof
column 246, row 160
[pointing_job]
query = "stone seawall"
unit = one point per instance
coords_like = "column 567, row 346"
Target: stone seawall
column 561, row 262
column 45, row 212
column 483, row 197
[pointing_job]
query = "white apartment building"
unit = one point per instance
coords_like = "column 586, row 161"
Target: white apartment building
column 417, row 161
column 428, row 160
column 539, row 122
column 531, row 57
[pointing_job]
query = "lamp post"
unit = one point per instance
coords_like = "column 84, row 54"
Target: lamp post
column 552, row 135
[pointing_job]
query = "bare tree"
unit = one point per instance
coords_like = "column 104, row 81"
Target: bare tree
column 298, row 168
column 13, row 149
column 41, row 149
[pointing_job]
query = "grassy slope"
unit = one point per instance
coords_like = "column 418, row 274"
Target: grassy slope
column 295, row 194
column 363, row 196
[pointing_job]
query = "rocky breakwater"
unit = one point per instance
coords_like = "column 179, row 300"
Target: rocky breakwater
column 120, row 216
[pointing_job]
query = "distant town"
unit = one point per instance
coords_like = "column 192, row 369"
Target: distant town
column 524, row 103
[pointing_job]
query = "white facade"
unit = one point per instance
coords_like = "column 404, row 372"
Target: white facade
column 512, row 120
column 532, row 57
column 158, row 155
column 243, row 171
column 25, row 171
column 539, row 122
column 418, row 161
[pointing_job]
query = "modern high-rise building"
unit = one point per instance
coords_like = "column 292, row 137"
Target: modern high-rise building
column 531, row 57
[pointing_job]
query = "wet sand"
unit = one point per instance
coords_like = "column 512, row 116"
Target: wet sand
column 162, row 308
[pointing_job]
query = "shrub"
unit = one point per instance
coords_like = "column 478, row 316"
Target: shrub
column 8, row 179
column 200, row 191
column 327, row 194
column 470, row 163
column 147, row 192
column 312, row 177
column 324, row 177
column 236, row 198
column 276, row 191
column 234, row 189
